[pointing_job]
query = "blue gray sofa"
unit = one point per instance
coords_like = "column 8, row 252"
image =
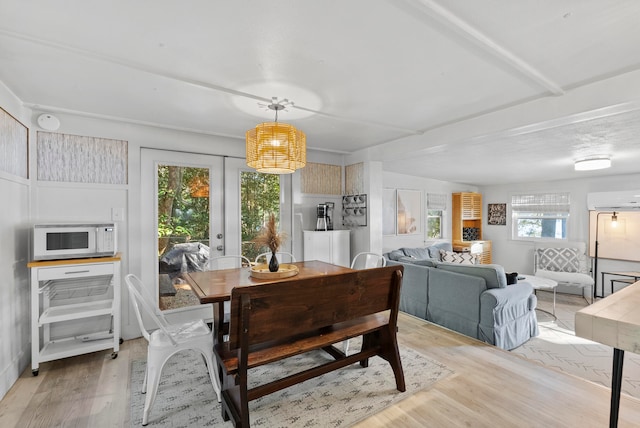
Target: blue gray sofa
column 474, row 300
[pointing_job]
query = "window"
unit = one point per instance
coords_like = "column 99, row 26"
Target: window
column 436, row 204
column 540, row 216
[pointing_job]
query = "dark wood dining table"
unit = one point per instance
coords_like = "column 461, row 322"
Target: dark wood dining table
column 215, row 286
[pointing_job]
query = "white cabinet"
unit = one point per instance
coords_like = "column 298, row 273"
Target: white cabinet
column 331, row 246
column 68, row 290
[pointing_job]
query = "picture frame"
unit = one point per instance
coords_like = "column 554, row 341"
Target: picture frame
column 497, row 214
column 389, row 211
column 409, row 212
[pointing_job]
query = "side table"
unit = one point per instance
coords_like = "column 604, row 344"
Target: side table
column 539, row 283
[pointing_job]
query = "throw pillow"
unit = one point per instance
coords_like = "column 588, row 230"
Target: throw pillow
column 434, row 249
column 559, row 259
column 461, row 258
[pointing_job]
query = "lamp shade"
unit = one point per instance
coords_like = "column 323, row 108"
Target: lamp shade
column 276, row 148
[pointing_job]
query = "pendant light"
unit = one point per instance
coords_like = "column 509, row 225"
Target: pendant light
column 274, row 147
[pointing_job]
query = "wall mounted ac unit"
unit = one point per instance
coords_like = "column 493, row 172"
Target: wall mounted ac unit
column 627, row 200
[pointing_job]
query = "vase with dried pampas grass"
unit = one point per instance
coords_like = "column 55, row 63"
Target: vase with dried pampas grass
column 270, row 237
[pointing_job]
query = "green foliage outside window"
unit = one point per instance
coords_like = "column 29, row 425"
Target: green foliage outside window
column 434, row 224
column 260, row 196
column 182, row 217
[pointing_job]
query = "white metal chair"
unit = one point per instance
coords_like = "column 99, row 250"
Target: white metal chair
column 227, row 262
column 186, row 331
column 365, row 260
column 368, row 260
column 282, row 256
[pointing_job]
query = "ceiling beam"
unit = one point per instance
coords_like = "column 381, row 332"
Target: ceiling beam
column 481, row 40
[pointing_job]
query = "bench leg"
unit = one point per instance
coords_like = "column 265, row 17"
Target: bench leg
column 367, row 342
column 390, row 352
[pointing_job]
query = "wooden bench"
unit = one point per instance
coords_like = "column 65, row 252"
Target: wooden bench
column 271, row 322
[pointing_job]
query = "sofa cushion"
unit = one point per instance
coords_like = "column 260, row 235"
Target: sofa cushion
column 426, row 262
column 413, row 295
column 416, row 253
column 493, row 275
column 559, row 259
column 462, row 258
column 394, row 255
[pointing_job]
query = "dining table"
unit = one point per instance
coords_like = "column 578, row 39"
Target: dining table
column 215, row 286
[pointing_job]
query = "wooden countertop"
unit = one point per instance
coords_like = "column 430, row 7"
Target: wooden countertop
column 45, row 263
column 614, row 320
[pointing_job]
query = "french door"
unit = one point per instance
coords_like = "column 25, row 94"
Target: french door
column 200, row 184
column 182, row 212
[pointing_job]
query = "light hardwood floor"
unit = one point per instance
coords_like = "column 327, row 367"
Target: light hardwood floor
column 489, row 388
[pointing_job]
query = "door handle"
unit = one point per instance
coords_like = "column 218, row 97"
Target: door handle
column 219, row 248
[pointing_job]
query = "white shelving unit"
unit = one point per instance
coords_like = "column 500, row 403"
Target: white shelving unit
column 67, row 290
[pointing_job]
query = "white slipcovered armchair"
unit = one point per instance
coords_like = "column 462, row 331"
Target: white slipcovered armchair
column 564, row 262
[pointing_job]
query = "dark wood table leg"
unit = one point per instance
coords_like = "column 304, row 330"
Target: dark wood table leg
column 218, row 321
column 616, row 385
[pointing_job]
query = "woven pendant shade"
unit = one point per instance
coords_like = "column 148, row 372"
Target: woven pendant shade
column 276, row 148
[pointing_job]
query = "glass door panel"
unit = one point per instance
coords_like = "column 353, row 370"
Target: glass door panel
column 182, row 213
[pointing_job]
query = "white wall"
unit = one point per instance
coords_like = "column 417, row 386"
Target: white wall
column 393, row 180
column 15, row 334
column 517, row 256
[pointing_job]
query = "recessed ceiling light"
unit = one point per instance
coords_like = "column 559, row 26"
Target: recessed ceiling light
column 590, row 164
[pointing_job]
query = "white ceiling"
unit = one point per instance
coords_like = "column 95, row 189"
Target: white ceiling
column 477, row 92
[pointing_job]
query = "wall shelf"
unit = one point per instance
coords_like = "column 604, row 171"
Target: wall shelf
column 354, row 210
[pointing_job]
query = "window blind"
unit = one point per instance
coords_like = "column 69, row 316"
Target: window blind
column 541, row 203
column 437, row 201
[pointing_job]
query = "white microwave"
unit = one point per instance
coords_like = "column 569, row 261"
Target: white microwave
column 74, row 241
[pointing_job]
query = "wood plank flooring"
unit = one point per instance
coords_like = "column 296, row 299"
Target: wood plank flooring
column 490, row 388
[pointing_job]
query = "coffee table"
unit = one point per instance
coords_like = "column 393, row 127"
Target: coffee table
column 539, row 283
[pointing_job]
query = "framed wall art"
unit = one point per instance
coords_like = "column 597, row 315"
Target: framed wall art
column 409, row 212
column 389, row 211
column 497, row 214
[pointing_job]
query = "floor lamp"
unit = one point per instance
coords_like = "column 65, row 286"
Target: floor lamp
column 614, row 222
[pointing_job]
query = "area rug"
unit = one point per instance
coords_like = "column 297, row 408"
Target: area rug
column 337, row 399
column 558, row 348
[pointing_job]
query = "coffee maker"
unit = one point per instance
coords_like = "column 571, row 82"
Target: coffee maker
column 324, row 213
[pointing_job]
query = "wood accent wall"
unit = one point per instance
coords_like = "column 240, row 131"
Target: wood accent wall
column 354, row 179
column 79, row 159
column 321, row 179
